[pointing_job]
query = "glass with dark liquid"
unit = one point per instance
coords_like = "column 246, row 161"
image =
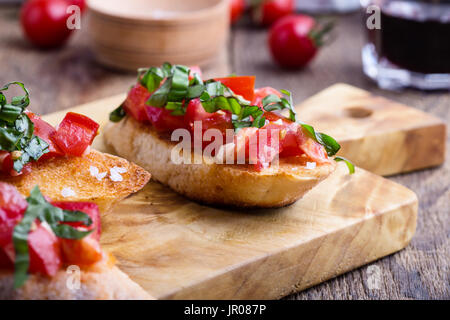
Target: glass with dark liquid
column 408, row 43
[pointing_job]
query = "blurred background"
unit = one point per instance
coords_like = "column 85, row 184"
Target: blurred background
column 67, row 57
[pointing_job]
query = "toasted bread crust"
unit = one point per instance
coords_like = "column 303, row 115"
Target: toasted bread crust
column 54, row 175
column 106, row 283
column 235, row 185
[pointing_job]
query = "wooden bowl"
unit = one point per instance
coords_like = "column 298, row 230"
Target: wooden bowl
column 141, row 33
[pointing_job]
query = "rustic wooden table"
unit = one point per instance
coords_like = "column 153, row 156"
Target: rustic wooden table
column 63, row 78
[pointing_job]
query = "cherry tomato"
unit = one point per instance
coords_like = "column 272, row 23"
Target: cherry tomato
column 261, row 93
column 267, row 12
column 89, row 208
column 243, row 85
column 45, row 251
column 85, row 251
column 44, row 22
column 135, row 103
column 237, row 8
column 45, row 131
column 75, row 134
column 294, row 41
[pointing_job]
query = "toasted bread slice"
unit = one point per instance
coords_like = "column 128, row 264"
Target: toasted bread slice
column 70, row 179
column 235, row 185
column 106, row 282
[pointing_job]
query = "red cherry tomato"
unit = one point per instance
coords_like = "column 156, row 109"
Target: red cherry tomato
column 290, row 41
column 45, row 252
column 268, row 11
column 135, row 103
column 89, row 208
column 162, row 119
column 243, row 85
column 237, row 8
column 44, row 22
column 75, row 134
column 44, row 131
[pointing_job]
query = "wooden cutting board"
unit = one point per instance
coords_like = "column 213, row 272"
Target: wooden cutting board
column 178, row 249
column 377, row 134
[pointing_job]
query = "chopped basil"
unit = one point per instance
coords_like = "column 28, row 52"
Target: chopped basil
column 39, row 208
column 331, row 145
column 118, row 114
column 272, row 102
column 16, row 129
column 350, row 165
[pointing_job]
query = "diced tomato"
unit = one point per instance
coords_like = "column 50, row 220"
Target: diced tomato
column 75, row 134
column 89, row 208
column 261, row 93
column 6, row 163
column 45, row 252
column 135, row 103
column 246, row 145
column 162, row 119
column 243, row 86
column 12, row 208
column 193, row 70
column 5, row 260
column 218, row 120
column 45, row 131
column 85, row 251
column 314, row 150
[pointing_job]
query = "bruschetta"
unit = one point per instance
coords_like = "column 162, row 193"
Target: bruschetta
column 244, row 147
column 51, row 250
column 60, row 159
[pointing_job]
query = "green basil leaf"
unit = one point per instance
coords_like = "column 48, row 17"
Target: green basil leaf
column 350, row 165
column 20, row 242
column 117, row 115
column 10, row 113
column 19, row 101
column 195, row 91
column 65, row 231
column 10, row 139
column 160, row 96
column 77, row 216
column 40, row 208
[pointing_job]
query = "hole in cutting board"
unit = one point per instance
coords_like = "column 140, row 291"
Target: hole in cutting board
column 357, row 112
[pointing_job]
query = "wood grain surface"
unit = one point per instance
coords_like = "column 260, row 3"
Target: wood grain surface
column 361, row 122
column 178, row 249
column 59, row 79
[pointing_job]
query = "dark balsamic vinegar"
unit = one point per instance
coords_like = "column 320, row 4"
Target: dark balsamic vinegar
column 421, row 46
column 412, row 43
